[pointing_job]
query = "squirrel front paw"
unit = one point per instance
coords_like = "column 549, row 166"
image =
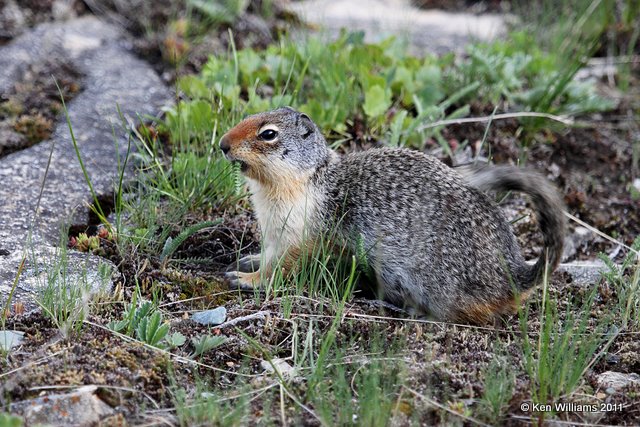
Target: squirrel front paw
column 243, row 281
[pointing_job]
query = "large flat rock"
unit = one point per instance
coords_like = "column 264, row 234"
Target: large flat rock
column 434, row 31
column 113, row 77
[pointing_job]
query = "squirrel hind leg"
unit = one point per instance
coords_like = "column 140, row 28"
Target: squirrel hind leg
column 485, row 312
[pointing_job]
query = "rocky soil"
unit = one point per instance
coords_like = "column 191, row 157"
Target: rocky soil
column 102, row 58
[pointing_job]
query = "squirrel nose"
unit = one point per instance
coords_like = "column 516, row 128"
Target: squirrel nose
column 225, row 146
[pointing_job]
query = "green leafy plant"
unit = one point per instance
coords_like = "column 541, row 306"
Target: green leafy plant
column 152, row 330
column 392, row 94
column 132, row 316
column 205, row 343
column 175, row 339
column 8, row 420
column 146, row 323
column 171, row 245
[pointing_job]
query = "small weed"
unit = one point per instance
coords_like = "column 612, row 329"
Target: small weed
column 132, row 316
column 175, row 340
column 205, row 343
column 566, row 347
column 65, row 293
column 152, row 330
column 8, row 420
column 626, row 285
column 146, row 323
column 499, row 380
column 85, row 243
column 201, row 407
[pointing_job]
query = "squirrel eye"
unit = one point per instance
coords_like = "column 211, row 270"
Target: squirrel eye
column 268, row 135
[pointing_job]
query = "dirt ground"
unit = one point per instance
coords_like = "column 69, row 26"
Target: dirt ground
column 592, row 165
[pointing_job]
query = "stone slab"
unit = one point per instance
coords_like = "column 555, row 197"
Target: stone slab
column 113, row 77
column 434, row 31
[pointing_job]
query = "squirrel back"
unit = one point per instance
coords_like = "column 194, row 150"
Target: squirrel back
column 434, row 239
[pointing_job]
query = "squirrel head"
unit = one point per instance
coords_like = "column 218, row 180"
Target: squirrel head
column 276, row 146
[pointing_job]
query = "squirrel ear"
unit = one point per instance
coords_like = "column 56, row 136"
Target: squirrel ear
column 305, row 126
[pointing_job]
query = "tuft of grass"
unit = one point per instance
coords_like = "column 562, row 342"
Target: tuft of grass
column 499, row 382
column 203, row 407
column 625, row 279
column 326, row 272
column 195, row 175
column 361, row 390
column 64, row 295
column 220, row 11
column 577, row 29
column 566, row 346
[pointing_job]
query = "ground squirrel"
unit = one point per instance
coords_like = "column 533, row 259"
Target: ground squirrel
column 436, row 242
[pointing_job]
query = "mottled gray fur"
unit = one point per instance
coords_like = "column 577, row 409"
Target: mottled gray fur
column 437, row 243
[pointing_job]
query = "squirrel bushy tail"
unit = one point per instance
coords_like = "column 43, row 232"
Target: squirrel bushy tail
column 547, row 204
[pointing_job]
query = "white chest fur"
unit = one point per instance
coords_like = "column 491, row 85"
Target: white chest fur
column 283, row 215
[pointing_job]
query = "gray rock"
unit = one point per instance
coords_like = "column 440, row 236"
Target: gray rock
column 11, row 140
column 80, row 408
column 13, row 19
column 427, row 30
column 62, row 10
column 212, row 317
column 113, row 77
column 584, row 272
column 616, row 380
column 575, row 240
column 45, row 264
column 10, row 339
column 283, row 368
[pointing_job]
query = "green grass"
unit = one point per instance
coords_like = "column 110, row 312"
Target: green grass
column 204, row 407
column 65, row 288
column 625, row 280
column 392, row 93
column 565, row 346
column 367, row 393
column 576, row 29
column 499, row 379
column 326, row 272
